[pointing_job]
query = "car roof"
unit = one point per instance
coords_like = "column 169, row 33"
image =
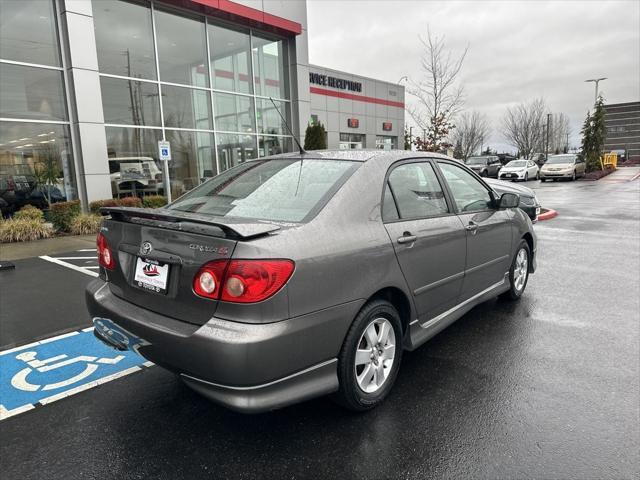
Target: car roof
column 359, row 155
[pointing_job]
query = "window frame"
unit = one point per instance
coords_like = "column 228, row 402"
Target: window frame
column 448, row 201
column 492, row 193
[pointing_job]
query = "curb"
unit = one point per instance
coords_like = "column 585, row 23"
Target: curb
column 548, row 215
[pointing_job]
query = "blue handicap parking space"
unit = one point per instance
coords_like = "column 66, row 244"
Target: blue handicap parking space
column 46, row 371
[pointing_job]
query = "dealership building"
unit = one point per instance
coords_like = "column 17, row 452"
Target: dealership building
column 90, row 89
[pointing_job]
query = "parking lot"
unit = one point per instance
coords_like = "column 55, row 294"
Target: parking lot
column 544, row 388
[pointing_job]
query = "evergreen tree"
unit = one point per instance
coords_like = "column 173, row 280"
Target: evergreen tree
column 407, row 138
column 593, row 136
column 315, row 138
column 457, row 151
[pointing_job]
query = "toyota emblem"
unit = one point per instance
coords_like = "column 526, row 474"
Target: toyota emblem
column 146, row 248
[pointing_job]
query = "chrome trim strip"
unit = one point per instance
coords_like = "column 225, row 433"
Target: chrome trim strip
column 486, row 264
column 443, row 315
column 256, row 387
column 438, row 283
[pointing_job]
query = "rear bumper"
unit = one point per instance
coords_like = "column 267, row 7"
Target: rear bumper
column 246, row 367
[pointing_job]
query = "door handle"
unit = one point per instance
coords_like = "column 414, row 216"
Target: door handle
column 407, row 238
column 472, row 227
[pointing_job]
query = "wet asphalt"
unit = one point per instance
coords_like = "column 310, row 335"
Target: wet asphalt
column 547, row 387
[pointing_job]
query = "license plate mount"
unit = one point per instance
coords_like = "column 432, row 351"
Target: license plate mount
column 151, row 275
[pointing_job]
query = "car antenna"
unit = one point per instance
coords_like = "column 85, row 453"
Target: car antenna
column 302, row 150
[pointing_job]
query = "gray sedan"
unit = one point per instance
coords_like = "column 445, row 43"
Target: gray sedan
column 299, row 275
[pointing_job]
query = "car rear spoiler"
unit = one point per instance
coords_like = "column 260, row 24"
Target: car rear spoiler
column 189, row 222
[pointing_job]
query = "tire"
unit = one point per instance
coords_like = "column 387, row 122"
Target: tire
column 484, row 173
column 351, row 393
column 526, row 177
column 573, row 177
column 538, row 175
column 516, row 284
column 543, row 180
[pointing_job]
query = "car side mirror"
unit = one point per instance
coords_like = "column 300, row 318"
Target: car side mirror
column 509, row 200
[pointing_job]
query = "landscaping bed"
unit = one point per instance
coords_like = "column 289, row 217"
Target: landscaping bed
column 598, row 174
column 65, row 218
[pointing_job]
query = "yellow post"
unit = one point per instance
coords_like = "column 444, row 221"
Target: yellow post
column 610, row 160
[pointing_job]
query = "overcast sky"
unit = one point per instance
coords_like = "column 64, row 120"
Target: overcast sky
column 519, row 50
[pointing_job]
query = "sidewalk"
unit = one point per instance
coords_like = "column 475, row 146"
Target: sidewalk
column 623, row 174
column 16, row 251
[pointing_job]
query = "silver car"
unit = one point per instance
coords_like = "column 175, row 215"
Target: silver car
column 299, row 275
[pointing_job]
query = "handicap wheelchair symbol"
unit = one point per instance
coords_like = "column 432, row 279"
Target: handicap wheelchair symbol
column 20, row 381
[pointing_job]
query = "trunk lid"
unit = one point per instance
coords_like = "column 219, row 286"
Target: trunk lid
column 179, row 241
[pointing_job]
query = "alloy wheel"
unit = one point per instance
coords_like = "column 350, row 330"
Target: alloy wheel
column 521, row 269
column 375, row 355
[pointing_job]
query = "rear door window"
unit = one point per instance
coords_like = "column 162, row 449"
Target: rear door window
column 288, row 190
column 416, row 191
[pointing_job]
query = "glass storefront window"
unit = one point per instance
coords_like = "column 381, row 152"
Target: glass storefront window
column 275, row 145
column 269, row 121
column 124, row 38
column 129, row 102
column 192, row 160
column 182, row 48
column 351, row 141
column 230, row 60
column 31, row 93
column 186, row 107
column 133, row 161
column 36, row 159
column 385, row 142
column 234, row 113
column 28, row 32
column 268, row 63
column 235, row 149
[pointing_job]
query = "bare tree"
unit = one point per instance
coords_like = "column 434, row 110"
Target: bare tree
column 439, row 97
column 559, row 132
column 472, row 128
column 523, row 126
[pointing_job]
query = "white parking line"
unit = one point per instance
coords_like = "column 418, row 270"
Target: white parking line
column 69, row 265
column 86, row 250
column 77, row 258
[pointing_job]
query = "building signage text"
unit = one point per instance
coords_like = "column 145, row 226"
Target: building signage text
column 333, row 82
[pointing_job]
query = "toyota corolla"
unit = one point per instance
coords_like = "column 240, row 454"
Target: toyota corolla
column 299, row 275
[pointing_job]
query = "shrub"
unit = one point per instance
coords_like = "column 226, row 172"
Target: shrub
column 29, row 212
column 130, row 202
column 154, row 201
column 85, row 224
column 23, row 230
column 315, row 138
column 94, row 207
column 63, row 213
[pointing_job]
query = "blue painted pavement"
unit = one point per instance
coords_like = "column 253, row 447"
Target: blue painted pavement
column 54, row 368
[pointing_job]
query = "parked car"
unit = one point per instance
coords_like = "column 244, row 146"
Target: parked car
column 519, row 170
column 485, row 166
column 568, row 166
column 17, row 182
column 298, row 275
column 538, row 158
column 529, row 202
column 135, row 175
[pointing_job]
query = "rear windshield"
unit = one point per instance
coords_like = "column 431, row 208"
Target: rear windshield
column 288, row 190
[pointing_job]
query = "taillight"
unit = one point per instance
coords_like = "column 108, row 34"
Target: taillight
column 207, row 281
column 105, row 255
column 243, row 281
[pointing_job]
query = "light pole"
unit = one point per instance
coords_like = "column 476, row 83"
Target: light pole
column 546, row 148
column 596, row 81
column 404, row 77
